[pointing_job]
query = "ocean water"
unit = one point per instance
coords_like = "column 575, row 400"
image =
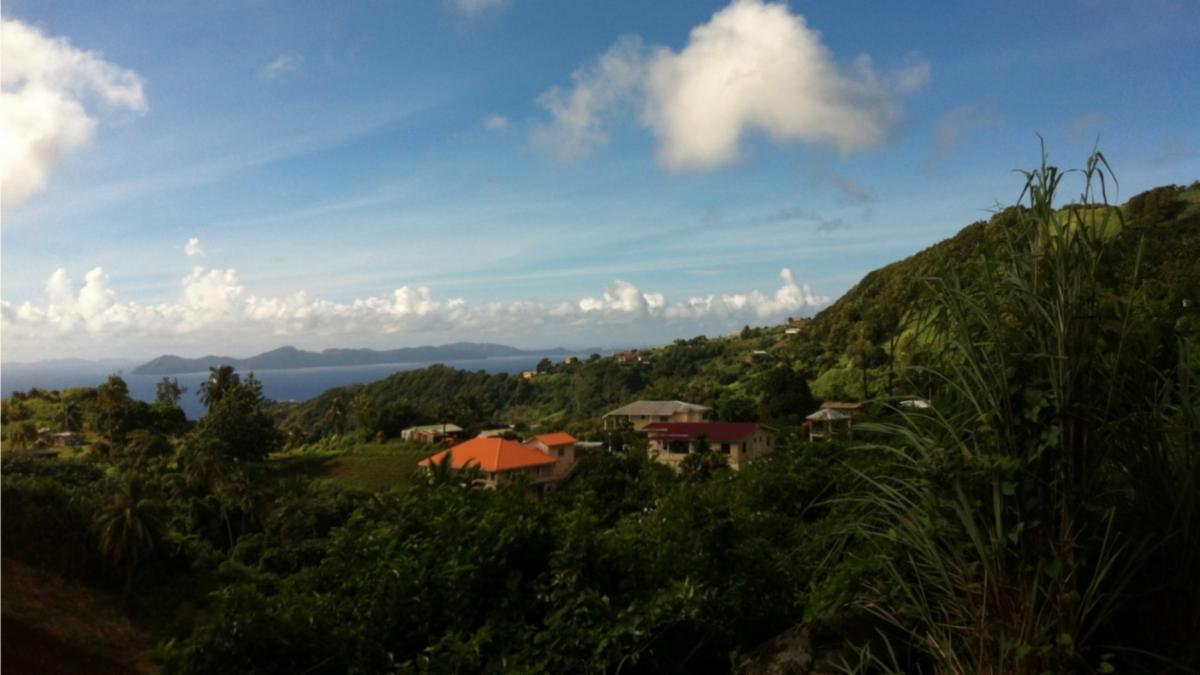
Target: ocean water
column 298, row 384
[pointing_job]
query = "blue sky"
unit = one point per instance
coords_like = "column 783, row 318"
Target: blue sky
column 536, row 173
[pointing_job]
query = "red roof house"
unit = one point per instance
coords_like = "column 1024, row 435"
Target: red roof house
column 672, row 442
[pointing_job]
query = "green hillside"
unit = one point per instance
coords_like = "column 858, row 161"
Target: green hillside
column 1056, row 464
column 764, row 373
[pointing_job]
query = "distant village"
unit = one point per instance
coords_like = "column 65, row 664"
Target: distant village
column 673, row 430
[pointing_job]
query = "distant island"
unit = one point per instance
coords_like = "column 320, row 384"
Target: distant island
column 286, row 358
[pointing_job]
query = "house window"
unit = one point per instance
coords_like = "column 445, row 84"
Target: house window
column 663, row 418
column 725, row 448
column 678, row 447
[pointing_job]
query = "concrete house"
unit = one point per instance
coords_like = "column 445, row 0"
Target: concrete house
column 741, row 442
column 500, row 460
column 562, row 447
column 558, row 445
column 432, row 433
column 640, row 413
column 542, row 461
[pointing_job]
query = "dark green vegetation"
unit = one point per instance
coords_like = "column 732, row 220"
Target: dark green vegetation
column 1042, row 516
column 289, row 357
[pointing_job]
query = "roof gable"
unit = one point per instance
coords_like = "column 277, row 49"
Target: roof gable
column 657, row 408
column 556, row 438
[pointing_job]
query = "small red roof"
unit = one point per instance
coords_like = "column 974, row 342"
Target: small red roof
column 556, row 438
column 719, row 432
column 492, row 454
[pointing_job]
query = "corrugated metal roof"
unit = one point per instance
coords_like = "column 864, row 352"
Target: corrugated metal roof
column 827, row 415
column 448, row 428
column 657, row 408
column 841, row 405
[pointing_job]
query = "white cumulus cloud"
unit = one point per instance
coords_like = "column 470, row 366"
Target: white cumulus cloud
column 47, row 87
column 753, row 67
column 214, row 307
column 193, row 248
column 580, row 117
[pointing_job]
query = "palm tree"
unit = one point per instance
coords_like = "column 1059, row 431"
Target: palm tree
column 221, row 379
column 242, row 491
column 335, row 416
column 130, row 527
column 206, row 468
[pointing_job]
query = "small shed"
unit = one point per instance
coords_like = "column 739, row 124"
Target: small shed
column 828, row 416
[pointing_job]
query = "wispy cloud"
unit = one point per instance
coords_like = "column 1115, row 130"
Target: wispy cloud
column 495, row 122
column 1177, row 149
column 281, row 65
column 916, row 74
column 470, row 9
column 754, row 66
column 49, row 90
column 1085, row 125
column 203, row 170
column 819, row 222
column 849, row 190
column 959, row 124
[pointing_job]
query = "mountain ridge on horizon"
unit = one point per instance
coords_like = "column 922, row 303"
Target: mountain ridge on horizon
column 289, row 357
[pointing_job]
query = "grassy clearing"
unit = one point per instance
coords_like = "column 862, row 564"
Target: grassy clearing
column 363, row 466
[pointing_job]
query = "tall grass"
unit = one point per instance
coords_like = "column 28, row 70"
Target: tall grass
column 1048, row 501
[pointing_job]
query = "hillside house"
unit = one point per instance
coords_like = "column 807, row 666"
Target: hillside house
column 640, row 413
column 493, row 433
column 740, row 442
column 558, row 445
column 499, row 459
column 61, row 439
column 502, row 460
column 562, row 447
column 432, row 433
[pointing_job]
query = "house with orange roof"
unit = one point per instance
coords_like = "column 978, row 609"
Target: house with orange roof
column 502, row 460
column 559, row 445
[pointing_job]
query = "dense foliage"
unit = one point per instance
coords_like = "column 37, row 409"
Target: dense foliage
column 1041, row 516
